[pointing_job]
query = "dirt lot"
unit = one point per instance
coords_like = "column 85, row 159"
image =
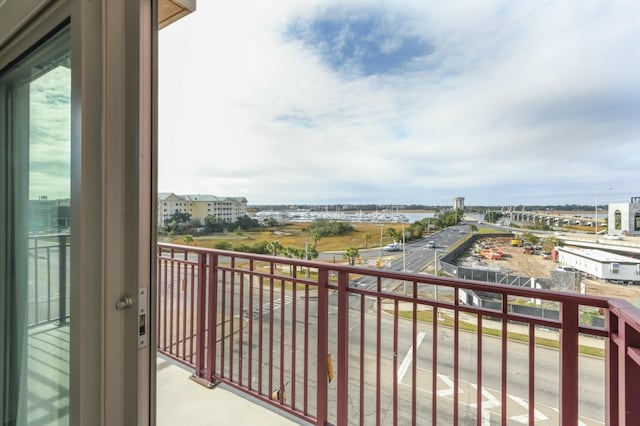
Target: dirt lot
column 529, row 265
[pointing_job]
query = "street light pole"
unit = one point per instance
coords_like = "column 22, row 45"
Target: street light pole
column 435, row 265
column 595, row 217
column 306, row 255
column 435, row 288
column 380, row 257
column 404, row 261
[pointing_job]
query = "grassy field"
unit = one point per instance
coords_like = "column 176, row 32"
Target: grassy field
column 294, row 235
column 364, row 235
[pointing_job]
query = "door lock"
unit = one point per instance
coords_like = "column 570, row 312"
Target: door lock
column 125, row 302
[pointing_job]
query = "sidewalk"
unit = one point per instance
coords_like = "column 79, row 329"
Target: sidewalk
column 542, row 332
column 181, row 401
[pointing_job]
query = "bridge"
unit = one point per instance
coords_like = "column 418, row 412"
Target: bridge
column 555, row 218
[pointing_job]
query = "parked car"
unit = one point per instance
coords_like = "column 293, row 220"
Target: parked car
column 613, row 237
column 567, row 269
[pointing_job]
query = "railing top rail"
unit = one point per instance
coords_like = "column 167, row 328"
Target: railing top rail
column 549, row 295
column 44, row 236
column 630, row 312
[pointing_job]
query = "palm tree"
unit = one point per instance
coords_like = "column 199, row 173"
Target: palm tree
column 351, row 254
column 366, row 240
column 274, row 247
column 315, row 236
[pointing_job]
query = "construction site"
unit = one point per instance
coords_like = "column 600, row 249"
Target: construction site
column 507, row 255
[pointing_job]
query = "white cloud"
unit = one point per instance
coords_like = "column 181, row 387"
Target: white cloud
column 518, row 102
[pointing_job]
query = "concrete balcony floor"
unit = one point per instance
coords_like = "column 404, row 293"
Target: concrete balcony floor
column 181, row 401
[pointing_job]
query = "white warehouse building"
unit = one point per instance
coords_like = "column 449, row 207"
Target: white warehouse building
column 624, row 218
column 601, row 264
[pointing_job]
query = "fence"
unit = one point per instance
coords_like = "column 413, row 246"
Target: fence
column 48, row 268
column 344, row 345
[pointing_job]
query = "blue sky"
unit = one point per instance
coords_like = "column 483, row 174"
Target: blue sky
column 403, row 102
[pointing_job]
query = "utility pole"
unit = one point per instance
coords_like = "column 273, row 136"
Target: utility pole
column 306, row 255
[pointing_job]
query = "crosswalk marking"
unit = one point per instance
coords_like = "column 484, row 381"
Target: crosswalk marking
column 277, row 303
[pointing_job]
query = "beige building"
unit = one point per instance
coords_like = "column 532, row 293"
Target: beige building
column 199, row 206
column 458, row 203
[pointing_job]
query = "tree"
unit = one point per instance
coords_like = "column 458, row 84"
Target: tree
column 223, row 245
column 551, row 242
column 245, row 222
column 351, row 254
column 492, row 217
column 187, row 238
column 180, row 217
column 312, row 253
column 367, row 237
column 214, row 224
column 327, row 228
column 274, row 247
column 271, row 222
column 293, row 252
column 392, row 233
column 315, row 236
column 474, row 228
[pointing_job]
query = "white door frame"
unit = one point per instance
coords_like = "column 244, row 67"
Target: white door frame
column 114, row 57
column 113, row 178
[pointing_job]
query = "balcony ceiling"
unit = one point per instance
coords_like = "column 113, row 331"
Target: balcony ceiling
column 170, row 11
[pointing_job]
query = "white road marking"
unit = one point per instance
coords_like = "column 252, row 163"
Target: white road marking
column 406, row 362
column 448, row 382
column 492, row 401
column 524, row 418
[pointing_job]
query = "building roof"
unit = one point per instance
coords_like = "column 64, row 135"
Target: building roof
column 600, row 255
column 201, row 197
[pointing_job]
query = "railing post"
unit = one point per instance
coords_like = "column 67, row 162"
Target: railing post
column 624, row 370
column 343, row 349
column 62, row 280
column 612, row 369
column 322, row 354
column 201, row 303
column 569, row 364
column 212, row 317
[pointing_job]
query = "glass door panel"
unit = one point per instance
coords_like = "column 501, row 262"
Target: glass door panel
column 35, row 201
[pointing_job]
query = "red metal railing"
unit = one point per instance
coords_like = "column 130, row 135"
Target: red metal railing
column 403, row 348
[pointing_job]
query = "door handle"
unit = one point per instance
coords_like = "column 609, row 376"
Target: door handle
column 125, row 302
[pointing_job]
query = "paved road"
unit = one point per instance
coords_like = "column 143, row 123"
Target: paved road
column 393, row 363
column 417, row 256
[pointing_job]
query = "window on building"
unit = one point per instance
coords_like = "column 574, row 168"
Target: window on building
column 615, row 268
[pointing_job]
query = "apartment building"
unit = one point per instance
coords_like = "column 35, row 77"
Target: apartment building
column 199, row 206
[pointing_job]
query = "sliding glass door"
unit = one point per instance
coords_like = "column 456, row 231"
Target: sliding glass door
column 35, row 205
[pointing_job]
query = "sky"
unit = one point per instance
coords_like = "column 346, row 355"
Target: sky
column 402, row 102
column 50, row 135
